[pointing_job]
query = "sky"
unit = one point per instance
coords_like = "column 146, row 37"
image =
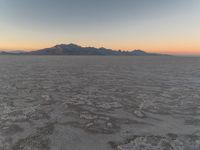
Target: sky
column 164, row 26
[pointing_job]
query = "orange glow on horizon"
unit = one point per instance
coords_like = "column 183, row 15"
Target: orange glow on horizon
column 186, row 50
column 161, row 28
column 163, row 46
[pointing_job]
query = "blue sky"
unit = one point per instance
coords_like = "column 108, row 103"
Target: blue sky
column 154, row 25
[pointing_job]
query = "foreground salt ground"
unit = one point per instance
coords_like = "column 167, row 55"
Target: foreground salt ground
column 99, row 103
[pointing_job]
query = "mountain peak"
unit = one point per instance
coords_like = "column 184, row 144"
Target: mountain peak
column 71, row 45
column 138, row 52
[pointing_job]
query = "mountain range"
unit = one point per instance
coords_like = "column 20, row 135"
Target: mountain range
column 73, row 49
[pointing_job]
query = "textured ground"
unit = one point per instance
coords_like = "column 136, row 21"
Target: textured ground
column 99, row 103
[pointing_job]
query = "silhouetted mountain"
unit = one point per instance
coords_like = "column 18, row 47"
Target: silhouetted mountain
column 73, row 49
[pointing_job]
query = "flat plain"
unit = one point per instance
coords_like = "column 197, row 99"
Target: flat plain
column 99, row 103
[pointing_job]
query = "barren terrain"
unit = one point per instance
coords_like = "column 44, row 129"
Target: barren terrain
column 99, row 103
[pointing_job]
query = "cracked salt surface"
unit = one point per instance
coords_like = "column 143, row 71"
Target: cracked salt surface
column 99, row 103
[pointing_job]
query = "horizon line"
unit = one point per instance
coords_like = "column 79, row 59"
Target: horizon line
column 128, row 50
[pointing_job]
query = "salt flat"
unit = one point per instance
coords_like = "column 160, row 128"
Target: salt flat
column 99, row 103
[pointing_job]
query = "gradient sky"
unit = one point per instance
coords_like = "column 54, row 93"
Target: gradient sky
column 165, row 26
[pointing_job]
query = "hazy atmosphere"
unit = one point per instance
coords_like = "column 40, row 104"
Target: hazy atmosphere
column 164, row 26
column 99, row 74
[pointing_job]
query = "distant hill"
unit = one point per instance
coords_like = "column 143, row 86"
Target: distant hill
column 73, row 49
column 16, row 52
